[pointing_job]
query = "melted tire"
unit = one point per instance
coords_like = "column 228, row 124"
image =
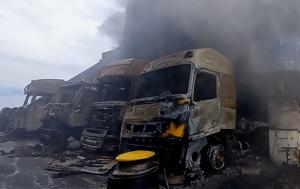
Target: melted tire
column 210, row 158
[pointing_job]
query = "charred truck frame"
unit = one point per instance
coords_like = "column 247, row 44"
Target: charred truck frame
column 68, row 115
column 103, row 130
column 183, row 109
column 38, row 93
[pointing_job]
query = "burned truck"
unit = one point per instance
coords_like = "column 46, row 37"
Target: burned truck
column 184, row 110
column 103, row 130
column 68, row 115
column 38, row 94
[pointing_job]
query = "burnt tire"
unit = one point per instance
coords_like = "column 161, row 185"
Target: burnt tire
column 213, row 158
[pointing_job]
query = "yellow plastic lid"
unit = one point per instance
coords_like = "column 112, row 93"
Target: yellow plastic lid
column 135, row 155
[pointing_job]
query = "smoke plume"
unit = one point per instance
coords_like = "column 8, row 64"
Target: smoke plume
column 254, row 34
column 234, row 27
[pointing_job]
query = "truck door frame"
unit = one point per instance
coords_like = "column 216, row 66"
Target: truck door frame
column 194, row 128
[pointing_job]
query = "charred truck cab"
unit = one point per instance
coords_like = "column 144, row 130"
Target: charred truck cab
column 38, row 94
column 103, row 130
column 68, row 115
column 183, row 106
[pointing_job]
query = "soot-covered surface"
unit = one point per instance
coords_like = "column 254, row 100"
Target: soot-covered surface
column 29, row 173
column 20, row 170
column 251, row 171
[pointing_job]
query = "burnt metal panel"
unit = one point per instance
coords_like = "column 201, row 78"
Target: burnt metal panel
column 44, row 86
column 212, row 60
column 205, row 116
column 227, row 91
column 123, row 67
column 143, row 112
column 209, row 59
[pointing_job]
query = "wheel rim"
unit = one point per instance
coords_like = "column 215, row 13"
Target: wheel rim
column 217, row 157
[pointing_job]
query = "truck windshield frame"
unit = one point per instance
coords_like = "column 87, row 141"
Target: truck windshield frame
column 115, row 90
column 67, row 95
column 172, row 80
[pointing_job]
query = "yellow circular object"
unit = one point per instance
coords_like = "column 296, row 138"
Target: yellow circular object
column 135, row 156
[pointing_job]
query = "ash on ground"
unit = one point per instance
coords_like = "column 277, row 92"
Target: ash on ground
column 25, row 164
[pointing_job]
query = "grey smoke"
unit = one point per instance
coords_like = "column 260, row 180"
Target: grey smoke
column 115, row 30
column 234, row 27
column 258, row 35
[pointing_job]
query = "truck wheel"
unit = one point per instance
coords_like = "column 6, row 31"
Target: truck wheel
column 216, row 157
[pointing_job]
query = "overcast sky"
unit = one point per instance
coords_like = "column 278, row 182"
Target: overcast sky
column 50, row 39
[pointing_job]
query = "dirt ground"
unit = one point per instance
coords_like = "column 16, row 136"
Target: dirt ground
column 256, row 172
column 20, row 170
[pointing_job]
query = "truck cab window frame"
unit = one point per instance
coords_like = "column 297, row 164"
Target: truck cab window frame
column 205, row 86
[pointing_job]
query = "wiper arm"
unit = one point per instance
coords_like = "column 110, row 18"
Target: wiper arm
column 164, row 94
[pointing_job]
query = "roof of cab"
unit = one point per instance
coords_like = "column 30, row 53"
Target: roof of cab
column 44, row 86
column 126, row 67
column 206, row 58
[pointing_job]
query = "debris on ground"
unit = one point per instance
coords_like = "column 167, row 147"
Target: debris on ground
column 57, row 169
column 251, row 171
column 76, row 166
column 7, row 147
column 73, row 144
